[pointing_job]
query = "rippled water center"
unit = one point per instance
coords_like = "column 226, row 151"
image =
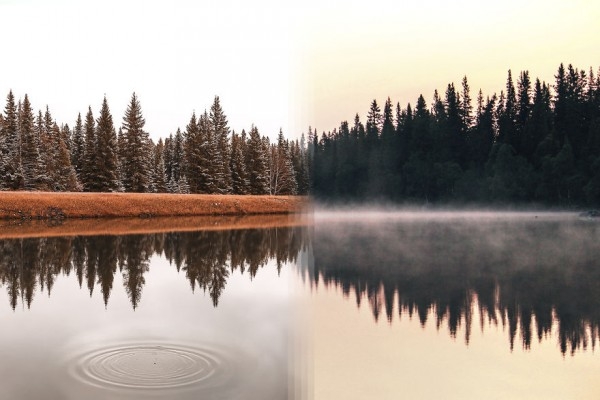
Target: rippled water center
column 181, row 315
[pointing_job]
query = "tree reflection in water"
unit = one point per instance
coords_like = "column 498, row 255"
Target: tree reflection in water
column 530, row 276
column 207, row 257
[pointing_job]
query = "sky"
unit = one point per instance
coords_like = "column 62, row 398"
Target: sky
column 279, row 64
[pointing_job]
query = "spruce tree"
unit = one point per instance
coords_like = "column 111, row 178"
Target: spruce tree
column 29, row 146
column 220, row 130
column 10, row 160
column 206, row 166
column 283, row 179
column 239, row 176
column 191, row 152
column 106, row 151
column 78, row 147
column 159, row 177
column 136, row 170
column 257, row 164
column 89, row 177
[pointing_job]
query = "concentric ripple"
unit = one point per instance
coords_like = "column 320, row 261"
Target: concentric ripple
column 146, row 366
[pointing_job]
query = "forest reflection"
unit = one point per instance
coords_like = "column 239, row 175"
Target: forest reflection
column 206, row 257
column 535, row 278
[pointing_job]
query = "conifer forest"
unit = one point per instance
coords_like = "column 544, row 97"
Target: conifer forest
column 39, row 154
column 534, row 143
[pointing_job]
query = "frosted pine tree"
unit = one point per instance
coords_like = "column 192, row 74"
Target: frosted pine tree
column 283, row 179
column 136, row 168
column 177, row 159
column 220, row 130
column 159, row 176
column 257, row 162
column 30, row 155
column 10, row 160
column 65, row 177
column 191, row 152
column 77, row 146
column 90, row 152
column 106, row 151
column 207, row 164
column 239, row 176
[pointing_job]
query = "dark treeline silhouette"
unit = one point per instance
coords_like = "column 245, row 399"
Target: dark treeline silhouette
column 535, row 142
column 206, row 257
column 515, row 272
column 38, row 154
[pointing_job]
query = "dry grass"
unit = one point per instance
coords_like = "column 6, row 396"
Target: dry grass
column 45, row 205
column 10, row 229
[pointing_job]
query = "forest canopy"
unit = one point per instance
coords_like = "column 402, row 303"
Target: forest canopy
column 36, row 153
column 535, row 142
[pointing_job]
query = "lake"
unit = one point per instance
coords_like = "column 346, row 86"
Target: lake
column 342, row 305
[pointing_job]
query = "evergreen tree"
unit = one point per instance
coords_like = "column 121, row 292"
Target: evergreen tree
column 89, row 177
column 159, row 175
column 30, row 155
column 10, row 160
column 220, row 131
column 177, row 157
column 239, row 176
column 283, row 179
column 107, row 174
column 257, row 164
column 136, row 166
column 191, row 152
column 78, row 147
column 206, row 176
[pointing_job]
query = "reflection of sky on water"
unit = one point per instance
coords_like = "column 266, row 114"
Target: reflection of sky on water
column 80, row 347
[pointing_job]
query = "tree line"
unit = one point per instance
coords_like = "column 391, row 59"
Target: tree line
column 533, row 143
column 36, row 153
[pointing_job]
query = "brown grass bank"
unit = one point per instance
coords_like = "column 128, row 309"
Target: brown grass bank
column 11, row 229
column 46, row 205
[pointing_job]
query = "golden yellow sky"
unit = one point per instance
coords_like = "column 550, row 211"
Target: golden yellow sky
column 365, row 50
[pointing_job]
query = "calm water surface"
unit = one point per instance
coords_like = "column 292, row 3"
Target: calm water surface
column 182, row 315
column 456, row 306
column 361, row 305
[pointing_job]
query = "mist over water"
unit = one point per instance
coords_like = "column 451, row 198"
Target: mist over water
column 535, row 273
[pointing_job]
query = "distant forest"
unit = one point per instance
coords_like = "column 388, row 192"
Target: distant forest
column 535, row 143
column 36, row 153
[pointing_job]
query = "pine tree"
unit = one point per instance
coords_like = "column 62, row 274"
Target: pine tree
column 177, row 157
column 159, row 176
column 136, row 168
column 65, row 176
column 29, row 146
column 220, row 130
column 257, row 164
column 466, row 108
column 89, row 177
column 106, row 151
column 78, row 147
column 206, row 166
column 283, row 179
column 10, row 160
column 191, row 153
column 239, row 175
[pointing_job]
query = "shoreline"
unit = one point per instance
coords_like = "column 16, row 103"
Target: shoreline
column 69, row 205
column 17, row 229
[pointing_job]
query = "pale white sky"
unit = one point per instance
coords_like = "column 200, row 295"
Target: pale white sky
column 277, row 63
column 176, row 55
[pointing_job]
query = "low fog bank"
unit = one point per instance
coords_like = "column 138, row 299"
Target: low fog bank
column 381, row 210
